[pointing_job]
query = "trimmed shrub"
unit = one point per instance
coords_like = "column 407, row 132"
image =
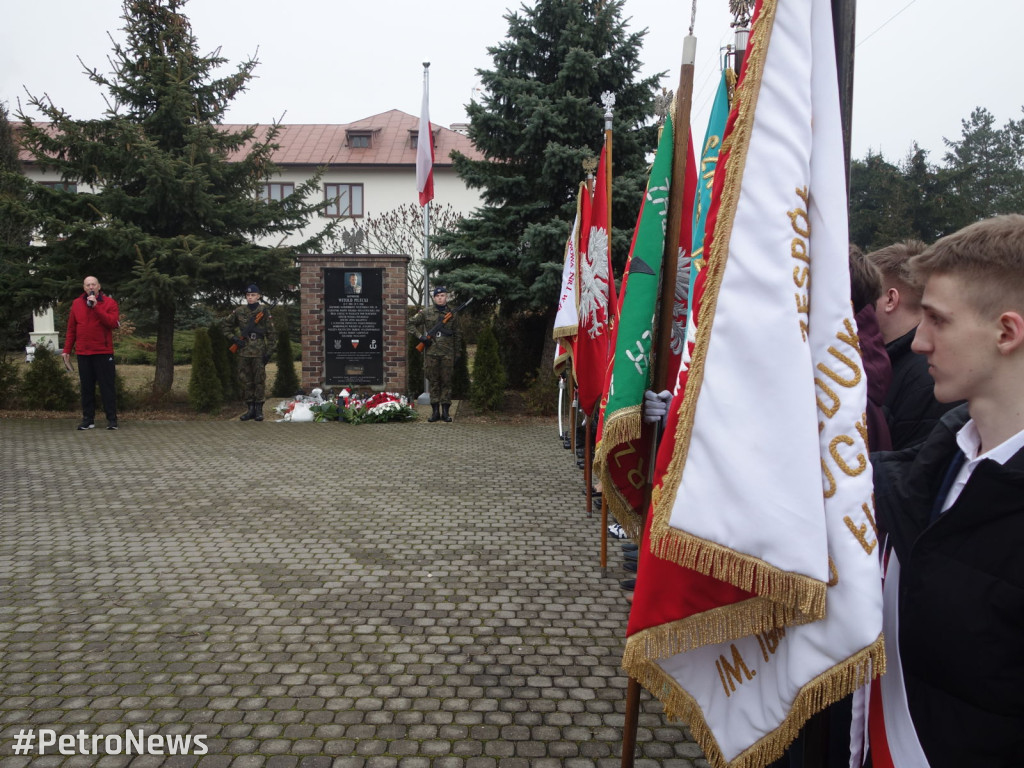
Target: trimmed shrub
column 414, row 371
column 229, row 384
column 489, row 376
column 286, row 383
column 542, row 393
column 204, row 390
column 460, row 376
column 46, row 386
column 9, row 381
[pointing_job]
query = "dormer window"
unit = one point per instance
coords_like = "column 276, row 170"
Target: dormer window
column 414, row 139
column 360, row 139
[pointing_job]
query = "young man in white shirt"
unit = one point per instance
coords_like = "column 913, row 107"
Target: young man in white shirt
column 953, row 510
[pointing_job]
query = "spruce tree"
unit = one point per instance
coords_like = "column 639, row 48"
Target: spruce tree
column 286, row 383
column 540, row 116
column 16, row 254
column 488, row 387
column 167, row 205
column 204, row 390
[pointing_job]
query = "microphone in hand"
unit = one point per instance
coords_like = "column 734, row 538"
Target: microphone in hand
column 91, row 301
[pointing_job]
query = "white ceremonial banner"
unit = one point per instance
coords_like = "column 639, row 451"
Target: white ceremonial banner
column 567, row 316
column 774, row 493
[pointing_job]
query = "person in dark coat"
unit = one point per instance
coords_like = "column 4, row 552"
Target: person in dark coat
column 911, row 409
column 953, row 510
column 865, row 290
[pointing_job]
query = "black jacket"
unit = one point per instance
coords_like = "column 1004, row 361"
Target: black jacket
column 961, row 599
column 910, row 406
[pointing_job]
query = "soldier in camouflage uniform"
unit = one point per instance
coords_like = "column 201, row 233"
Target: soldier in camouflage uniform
column 251, row 330
column 442, row 347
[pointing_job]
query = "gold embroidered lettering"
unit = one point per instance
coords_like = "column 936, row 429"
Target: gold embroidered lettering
column 635, row 475
column 830, row 489
column 860, row 531
column 862, row 428
column 798, row 250
column 854, row 368
column 801, row 224
column 828, row 410
column 798, row 216
column 769, row 641
column 735, row 672
column 849, row 336
column 833, row 449
column 721, row 676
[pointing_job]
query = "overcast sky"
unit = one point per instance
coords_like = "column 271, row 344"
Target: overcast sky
column 921, row 65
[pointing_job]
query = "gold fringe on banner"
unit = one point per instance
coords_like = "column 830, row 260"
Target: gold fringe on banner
column 719, row 625
column 632, row 522
column 826, row 689
column 623, row 425
column 803, row 594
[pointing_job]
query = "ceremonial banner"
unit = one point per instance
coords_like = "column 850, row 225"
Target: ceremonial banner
column 567, row 316
column 597, row 300
column 623, row 450
column 684, row 270
column 708, row 163
column 758, row 602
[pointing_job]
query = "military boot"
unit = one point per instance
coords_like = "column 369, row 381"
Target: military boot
column 258, row 416
column 434, row 413
column 445, row 416
column 249, row 414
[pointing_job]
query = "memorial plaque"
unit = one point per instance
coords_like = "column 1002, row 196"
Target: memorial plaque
column 354, row 327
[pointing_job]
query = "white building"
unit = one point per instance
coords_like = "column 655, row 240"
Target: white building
column 370, row 169
column 370, row 165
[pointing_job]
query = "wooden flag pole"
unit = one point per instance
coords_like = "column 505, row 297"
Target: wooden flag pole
column 663, row 339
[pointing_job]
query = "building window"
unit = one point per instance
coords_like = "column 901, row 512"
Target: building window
column 414, row 139
column 359, row 140
column 61, row 186
column 277, row 190
column 344, row 200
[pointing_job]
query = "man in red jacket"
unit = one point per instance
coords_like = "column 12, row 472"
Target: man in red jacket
column 91, row 322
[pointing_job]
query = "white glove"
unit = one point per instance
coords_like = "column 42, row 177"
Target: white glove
column 656, row 406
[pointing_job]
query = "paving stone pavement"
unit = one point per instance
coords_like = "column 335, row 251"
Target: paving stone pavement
column 311, row 595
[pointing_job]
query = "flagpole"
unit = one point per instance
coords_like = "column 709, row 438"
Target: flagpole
column 670, row 262
column 424, row 397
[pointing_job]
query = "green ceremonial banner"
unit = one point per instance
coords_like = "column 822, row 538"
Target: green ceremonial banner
column 631, row 366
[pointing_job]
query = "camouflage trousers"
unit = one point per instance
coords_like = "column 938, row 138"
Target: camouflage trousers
column 439, row 371
column 253, row 375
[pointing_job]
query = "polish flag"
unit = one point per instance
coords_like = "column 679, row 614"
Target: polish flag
column 425, row 154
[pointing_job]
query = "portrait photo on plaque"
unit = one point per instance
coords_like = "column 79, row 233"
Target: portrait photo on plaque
column 354, row 283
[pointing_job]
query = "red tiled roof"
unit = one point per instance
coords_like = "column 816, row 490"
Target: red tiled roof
column 390, row 144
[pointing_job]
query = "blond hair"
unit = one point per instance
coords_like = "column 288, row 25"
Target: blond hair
column 989, row 256
column 892, row 263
